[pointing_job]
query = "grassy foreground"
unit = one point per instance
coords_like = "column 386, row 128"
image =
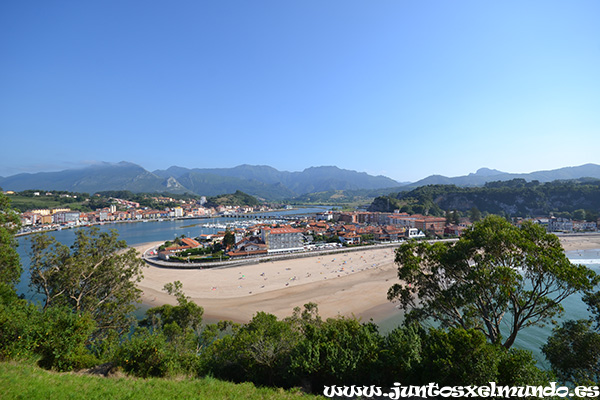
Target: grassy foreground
column 24, row 381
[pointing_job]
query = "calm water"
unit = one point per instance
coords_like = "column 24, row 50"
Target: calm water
column 143, row 232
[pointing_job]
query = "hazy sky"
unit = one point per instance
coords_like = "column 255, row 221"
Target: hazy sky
column 400, row 88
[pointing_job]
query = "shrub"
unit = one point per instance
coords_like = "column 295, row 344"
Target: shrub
column 144, row 354
column 19, row 325
column 63, row 340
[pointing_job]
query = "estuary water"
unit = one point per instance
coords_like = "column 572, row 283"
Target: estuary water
column 136, row 233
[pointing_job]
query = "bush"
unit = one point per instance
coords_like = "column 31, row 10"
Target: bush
column 340, row 351
column 19, row 326
column 258, row 352
column 63, row 340
column 464, row 357
column 402, row 353
column 144, row 355
column 57, row 335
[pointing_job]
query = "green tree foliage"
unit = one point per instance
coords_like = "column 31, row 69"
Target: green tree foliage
column 18, row 335
column 168, row 342
column 337, row 350
column 258, row 351
column 454, row 357
column 145, row 354
column 386, row 204
column 367, row 238
column 186, row 315
column 97, row 275
column 180, row 324
column 579, row 215
column 591, row 215
column 455, row 217
column 238, row 198
column 515, row 198
column 402, row 353
column 574, row 348
column 102, row 199
column 574, row 352
column 56, row 338
column 10, row 265
column 461, row 356
column 464, row 357
column 495, row 274
column 474, row 214
column 64, row 339
column 28, row 200
column 228, row 239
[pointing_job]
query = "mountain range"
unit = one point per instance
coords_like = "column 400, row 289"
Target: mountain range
column 484, row 175
column 258, row 180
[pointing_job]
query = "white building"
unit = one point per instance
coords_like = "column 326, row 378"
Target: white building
column 414, row 233
column 282, row 239
column 560, row 225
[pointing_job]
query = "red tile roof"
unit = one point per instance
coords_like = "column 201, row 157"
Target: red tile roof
column 287, row 229
column 190, row 242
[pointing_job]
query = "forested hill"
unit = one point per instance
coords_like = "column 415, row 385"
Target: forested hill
column 234, row 199
column 514, row 198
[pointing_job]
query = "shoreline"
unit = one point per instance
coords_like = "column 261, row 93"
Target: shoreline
column 347, row 284
column 54, row 227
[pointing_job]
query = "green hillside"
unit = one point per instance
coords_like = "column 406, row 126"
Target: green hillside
column 25, row 381
column 234, row 199
column 515, row 198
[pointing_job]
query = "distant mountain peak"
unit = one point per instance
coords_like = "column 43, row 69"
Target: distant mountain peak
column 487, row 172
column 484, row 175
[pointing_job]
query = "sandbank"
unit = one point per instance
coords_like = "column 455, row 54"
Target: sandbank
column 347, row 284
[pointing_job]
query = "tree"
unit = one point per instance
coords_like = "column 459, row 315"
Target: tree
column 228, row 239
column 10, row 265
column 579, row 214
column 591, row 215
column 574, row 348
column 258, row 352
column 98, row 276
column 177, row 322
column 475, row 214
column 496, row 274
column 455, row 217
column 574, row 352
column 339, row 351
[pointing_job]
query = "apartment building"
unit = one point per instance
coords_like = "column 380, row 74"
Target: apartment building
column 283, row 239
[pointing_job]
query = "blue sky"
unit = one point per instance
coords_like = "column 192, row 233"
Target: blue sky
column 404, row 89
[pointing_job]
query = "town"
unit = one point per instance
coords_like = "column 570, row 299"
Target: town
column 250, row 236
column 121, row 210
column 327, row 230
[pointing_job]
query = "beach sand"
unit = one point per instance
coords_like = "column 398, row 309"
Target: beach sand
column 345, row 284
column 588, row 241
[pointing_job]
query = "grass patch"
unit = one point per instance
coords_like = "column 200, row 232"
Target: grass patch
column 25, row 381
column 24, row 203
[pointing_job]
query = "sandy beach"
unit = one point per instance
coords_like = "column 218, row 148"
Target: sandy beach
column 345, row 284
column 588, row 241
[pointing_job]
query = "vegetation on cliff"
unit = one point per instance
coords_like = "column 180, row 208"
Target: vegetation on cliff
column 516, row 198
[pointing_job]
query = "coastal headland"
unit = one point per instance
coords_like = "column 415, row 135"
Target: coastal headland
column 342, row 284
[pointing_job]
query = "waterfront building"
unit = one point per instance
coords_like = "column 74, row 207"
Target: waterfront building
column 283, row 239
